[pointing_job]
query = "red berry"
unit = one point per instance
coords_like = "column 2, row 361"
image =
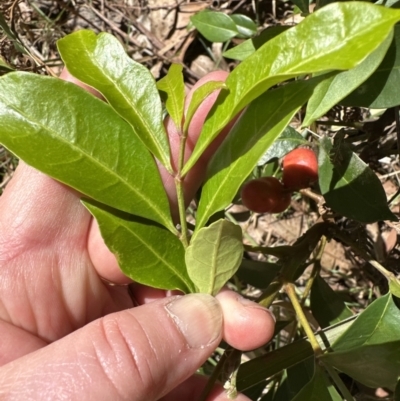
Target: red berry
column 265, row 195
column 300, row 169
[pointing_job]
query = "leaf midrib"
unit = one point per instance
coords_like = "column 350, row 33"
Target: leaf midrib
column 54, row 135
column 131, row 106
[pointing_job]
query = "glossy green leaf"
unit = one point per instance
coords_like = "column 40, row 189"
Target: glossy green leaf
column 336, row 37
column 333, row 90
column 198, row 97
column 6, row 29
column 267, row 365
column 4, row 64
column 394, row 286
column 381, row 89
column 294, row 379
column 255, row 131
column 101, row 62
column 303, row 5
column 397, row 391
column 145, row 251
column 172, row 89
column 214, row 255
column 257, row 274
column 349, row 186
column 316, row 389
column 215, row 26
column 76, row 138
column 288, row 140
column 245, row 25
column 249, row 46
column 326, row 306
column 389, row 3
column 372, row 341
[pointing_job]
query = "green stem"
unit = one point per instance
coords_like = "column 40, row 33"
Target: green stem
column 180, row 191
column 339, row 382
column 315, row 271
column 291, row 293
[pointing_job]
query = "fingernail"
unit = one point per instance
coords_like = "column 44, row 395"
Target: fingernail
column 198, row 317
column 250, row 304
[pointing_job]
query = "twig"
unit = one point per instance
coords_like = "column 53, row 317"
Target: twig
column 291, row 293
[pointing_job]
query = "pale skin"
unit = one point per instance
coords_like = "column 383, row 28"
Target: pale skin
column 66, row 333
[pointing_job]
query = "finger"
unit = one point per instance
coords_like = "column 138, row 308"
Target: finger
column 103, row 260
column 139, row 354
column 247, row 325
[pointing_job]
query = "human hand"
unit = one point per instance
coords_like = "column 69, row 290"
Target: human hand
column 68, row 334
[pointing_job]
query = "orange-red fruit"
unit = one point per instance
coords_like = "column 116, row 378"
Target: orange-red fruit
column 300, row 169
column 265, row 195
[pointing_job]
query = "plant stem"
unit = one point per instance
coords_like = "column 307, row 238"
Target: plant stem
column 180, row 191
column 291, row 293
column 315, row 271
column 182, row 211
column 229, row 357
column 339, row 382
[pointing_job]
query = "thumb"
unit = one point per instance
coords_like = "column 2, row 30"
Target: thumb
column 139, row 354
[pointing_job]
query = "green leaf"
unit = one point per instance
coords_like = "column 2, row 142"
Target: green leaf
column 288, row 140
column 6, row 29
column 349, row 186
column 380, row 90
column 198, row 97
column 271, row 363
column 326, row 306
column 303, row 5
column 245, row 25
column 4, row 64
column 316, row 389
column 65, row 132
column 101, row 62
column 214, row 255
column 336, row 37
column 294, row 379
column 173, row 89
column 248, row 47
column 394, row 286
column 215, row 26
column 333, row 90
column 146, row 252
column 397, row 392
column 257, row 274
column 369, row 351
column 256, row 130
